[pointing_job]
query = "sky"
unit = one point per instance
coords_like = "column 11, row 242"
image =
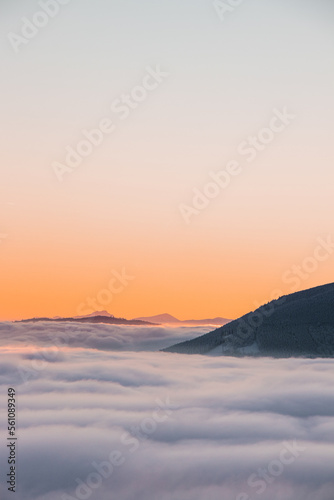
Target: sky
column 184, row 92
column 94, row 421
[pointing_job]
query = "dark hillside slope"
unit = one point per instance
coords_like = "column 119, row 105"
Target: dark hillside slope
column 300, row 324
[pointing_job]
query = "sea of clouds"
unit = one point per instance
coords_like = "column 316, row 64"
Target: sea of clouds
column 97, row 335
column 102, row 415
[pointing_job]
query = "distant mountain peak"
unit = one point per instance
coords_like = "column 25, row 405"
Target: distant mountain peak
column 95, row 317
column 161, row 318
column 106, row 314
column 171, row 320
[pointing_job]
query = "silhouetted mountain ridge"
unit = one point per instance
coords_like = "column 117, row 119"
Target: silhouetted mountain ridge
column 110, row 319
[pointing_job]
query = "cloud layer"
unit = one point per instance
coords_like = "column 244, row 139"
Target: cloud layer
column 99, row 423
column 97, row 336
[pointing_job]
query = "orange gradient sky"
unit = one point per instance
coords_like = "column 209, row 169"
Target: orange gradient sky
column 61, row 242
